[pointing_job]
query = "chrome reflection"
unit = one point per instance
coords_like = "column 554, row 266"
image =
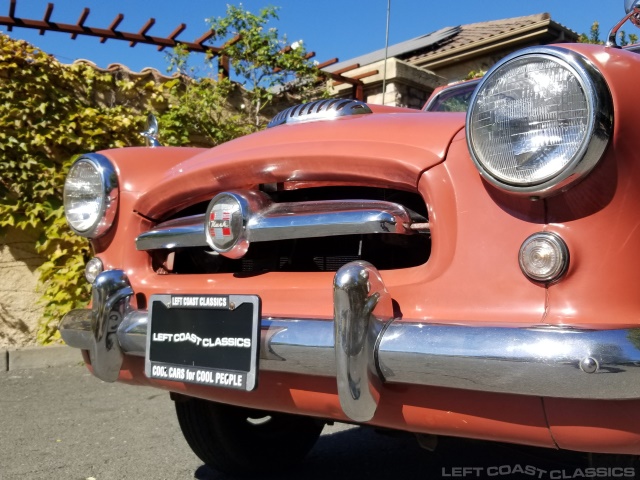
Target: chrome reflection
column 543, row 361
column 362, row 307
column 632, row 8
column 267, row 221
column 548, row 362
column 320, row 110
column 151, row 133
column 110, row 295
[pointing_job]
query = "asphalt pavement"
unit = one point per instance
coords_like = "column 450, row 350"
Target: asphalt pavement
column 63, row 423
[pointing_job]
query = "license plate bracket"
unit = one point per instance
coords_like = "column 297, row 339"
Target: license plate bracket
column 209, row 340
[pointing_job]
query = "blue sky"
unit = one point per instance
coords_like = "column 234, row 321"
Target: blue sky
column 331, row 28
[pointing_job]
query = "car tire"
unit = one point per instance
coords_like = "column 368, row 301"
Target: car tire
column 238, row 440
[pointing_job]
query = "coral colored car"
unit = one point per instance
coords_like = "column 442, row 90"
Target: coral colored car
column 451, row 98
column 475, row 277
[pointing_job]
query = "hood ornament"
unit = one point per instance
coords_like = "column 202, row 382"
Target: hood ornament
column 151, row 133
column 320, row 110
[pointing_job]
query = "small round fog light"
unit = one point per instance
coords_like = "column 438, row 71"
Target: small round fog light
column 544, row 257
column 93, row 268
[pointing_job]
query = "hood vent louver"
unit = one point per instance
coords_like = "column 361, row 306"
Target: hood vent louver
column 320, row 110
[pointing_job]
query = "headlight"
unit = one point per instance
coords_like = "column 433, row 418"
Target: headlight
column 539, row 121
column 91, row 195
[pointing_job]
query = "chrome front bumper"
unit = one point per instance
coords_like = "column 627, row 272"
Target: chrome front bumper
column 364, row 347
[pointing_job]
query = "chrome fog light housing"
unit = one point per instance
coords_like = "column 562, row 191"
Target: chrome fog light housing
column 544, row 257
column 92, row 269
column 91, row 195
column 226, row 219
column 539, row 121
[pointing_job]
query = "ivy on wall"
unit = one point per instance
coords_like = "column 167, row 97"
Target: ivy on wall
column 50, row 113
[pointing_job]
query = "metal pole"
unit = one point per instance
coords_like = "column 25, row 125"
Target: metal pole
column 386, row 48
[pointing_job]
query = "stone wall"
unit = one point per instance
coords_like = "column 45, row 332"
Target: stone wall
column 19, row 308
column 406, row 85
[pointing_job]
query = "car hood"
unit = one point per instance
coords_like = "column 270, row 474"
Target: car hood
column 381, row 149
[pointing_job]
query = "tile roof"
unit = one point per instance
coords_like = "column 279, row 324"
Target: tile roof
column 419, row 49
column 430, row 40
column 484, row 31
column 119, row 67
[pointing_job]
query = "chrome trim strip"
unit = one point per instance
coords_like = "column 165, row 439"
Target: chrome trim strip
column 320, row 110
column 132, row 333
column 180, row 233
column 547, row 362
column 283, row 221
column 362, row 307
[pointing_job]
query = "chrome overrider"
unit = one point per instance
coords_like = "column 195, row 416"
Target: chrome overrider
column 365, row 347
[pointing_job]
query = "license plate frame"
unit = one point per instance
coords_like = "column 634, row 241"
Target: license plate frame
column 208, row 339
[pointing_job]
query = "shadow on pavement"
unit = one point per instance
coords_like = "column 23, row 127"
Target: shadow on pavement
column 364, row 453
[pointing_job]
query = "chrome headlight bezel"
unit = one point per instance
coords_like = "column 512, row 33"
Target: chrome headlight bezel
column 107, row 196
column 598, row 129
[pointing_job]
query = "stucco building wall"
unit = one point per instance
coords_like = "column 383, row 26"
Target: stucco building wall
column 19, row 307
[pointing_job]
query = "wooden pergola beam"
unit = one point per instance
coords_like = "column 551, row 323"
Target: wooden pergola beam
column 347, row 69
column 204, row 37
column 327, row 63
column 12, row 12
column 143, row 31
column 142, row 36
column 112, row 27
column 81, row 20
column 47, row 17
column 80, row 28
column 172, row 36
column 342, row 79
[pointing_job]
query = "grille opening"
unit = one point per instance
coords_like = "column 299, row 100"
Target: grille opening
column 325, row 254
column 385, row 251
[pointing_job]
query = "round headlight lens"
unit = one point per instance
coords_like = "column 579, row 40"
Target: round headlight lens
column 539, row 121
column 544, row 257
column 90, row 196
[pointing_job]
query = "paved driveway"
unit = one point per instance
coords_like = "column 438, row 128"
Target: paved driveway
column 62, row 423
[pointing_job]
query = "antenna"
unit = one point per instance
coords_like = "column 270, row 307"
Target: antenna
column 386, row 49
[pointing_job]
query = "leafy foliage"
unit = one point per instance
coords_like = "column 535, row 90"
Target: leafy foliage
column 594, row 36
column 262, row 62
column 50, row 113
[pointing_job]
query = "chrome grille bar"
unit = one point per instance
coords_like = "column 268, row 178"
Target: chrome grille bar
column 283, row 221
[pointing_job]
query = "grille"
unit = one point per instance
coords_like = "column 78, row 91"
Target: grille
column 385, row 251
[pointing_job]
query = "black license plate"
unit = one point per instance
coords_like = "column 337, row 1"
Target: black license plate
column 204, row 339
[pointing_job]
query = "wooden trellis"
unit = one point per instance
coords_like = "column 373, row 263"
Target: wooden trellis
column 142, row 36
column 79, row 28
